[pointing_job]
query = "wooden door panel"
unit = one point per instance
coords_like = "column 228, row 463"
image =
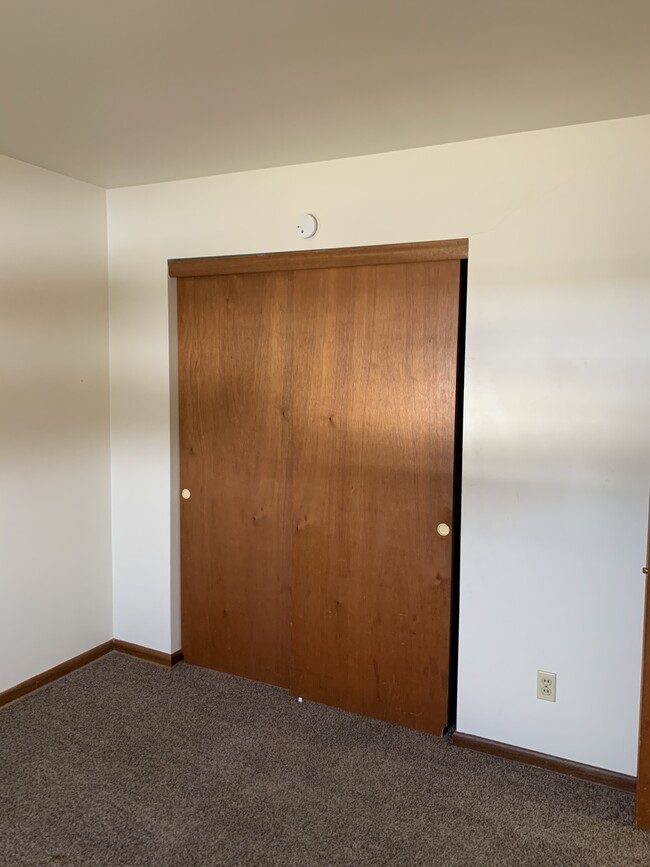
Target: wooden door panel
column 372, row 459
column 234, row 369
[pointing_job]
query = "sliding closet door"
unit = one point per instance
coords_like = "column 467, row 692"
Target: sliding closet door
column 372, row 460
column 317, row 428
column 234, row 383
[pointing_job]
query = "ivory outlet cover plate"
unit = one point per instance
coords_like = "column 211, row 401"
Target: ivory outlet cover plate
column 546, row 685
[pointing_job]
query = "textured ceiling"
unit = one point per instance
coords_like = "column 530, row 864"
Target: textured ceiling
column 136, row 91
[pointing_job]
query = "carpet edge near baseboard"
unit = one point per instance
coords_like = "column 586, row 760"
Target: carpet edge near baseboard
column 45, row 678
column 589, row 773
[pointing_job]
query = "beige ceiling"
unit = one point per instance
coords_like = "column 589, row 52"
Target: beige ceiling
column 121, row 92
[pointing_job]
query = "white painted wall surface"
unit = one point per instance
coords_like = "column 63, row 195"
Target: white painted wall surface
column 557, row 405
column 55, row 551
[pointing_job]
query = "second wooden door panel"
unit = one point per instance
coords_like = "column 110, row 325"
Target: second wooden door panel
column 372, row 451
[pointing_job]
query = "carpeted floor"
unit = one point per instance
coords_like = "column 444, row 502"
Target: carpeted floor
column 126, row 763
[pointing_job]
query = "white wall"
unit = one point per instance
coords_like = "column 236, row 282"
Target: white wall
column 557, row 407
column 55, row 556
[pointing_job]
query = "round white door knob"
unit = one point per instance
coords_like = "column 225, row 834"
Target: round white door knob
column 185, row 494
column 443, row 529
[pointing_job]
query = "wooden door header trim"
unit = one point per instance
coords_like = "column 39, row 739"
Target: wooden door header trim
column 345, row 257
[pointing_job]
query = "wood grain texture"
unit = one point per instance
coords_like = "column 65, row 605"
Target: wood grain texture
column 147, row 654
column 428, row 251
column 643, row 771
column 549, row 763
column 234, row 369
column 52, row 674
column 372, row 469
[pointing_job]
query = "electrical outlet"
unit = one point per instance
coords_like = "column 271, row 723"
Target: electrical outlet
column 546, row 683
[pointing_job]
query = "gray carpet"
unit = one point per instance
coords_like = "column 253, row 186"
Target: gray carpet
column 126, row 763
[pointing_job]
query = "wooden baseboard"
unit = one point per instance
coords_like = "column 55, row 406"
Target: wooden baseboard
column 149, row 655
column 27, row 686
column 549, row 763
column 52, row 674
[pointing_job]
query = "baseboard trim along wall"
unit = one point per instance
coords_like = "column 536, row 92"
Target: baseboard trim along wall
column 549, row 763
column 46, row 677
column 157, row 656
column 39, row 680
